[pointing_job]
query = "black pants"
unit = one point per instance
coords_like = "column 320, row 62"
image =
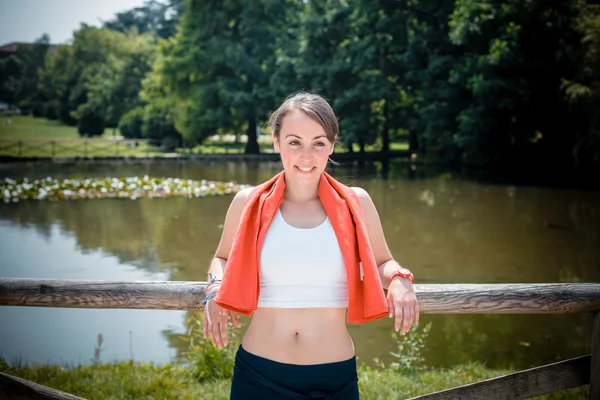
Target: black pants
column 255, row 377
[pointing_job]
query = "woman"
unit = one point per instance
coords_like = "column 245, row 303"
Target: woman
column 296, row 253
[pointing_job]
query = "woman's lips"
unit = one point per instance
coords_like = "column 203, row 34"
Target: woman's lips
column 305, row 170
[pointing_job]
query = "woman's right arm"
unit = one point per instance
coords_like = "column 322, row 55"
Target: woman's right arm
column 232, row 220
column 217, row 331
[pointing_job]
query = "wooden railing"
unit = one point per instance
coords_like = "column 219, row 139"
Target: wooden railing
column 556, row 298
column 82, row 148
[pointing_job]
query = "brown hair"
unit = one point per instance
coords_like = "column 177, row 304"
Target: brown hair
column 312, row 105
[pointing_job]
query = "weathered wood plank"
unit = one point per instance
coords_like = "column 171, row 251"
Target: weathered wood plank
column 536, row 298
column 102, row 294
column 522, row 385
column 13, row 388
column 595, row 368
column 433, row 299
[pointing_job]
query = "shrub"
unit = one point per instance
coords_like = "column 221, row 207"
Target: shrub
column 131, row 123
column 51, row 110
column 38, row 109
column 159, row 128
column 409, row 357
column 90, row 125
column 207, row 361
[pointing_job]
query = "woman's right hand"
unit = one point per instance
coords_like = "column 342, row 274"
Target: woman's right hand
column 217, row 328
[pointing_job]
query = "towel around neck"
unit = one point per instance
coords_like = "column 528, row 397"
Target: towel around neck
column 240, row 288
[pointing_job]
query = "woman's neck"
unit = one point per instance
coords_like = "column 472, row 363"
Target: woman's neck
column 300, row 192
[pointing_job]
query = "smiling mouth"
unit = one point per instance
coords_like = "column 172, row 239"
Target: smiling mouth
column 305, row 169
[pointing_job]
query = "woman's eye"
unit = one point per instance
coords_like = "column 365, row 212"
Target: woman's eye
column 320, row 144
column 294, row 142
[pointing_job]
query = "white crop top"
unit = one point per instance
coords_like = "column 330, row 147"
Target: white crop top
column 301, row 268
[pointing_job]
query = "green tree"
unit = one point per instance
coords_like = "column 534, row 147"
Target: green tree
column 92, row 51
column 56, row 82
column 516, row 54
column 116, row 85
column 154, row 17
column 161, row 110
column 583, row 90
column 19, row 76
column 221, row 62
column 325, row 62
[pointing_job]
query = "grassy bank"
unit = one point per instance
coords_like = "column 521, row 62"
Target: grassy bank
column 206, row 373
column 38, row 137
column 130, row 380
column 25, row 127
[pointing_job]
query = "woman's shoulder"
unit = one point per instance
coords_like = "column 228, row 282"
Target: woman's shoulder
column 241, row 196
column 363, row 197
column 360, row 192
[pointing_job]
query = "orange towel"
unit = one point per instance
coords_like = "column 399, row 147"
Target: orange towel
column 240, row 288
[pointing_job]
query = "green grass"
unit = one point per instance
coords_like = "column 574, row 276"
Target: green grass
column 24, row 127
column 75, row 148
column 38, row 137
column 129, row 380
column 208, row 370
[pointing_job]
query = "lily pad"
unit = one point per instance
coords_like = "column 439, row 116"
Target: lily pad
column 112, row 187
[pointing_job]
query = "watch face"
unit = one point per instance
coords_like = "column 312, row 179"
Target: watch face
column 404, row 271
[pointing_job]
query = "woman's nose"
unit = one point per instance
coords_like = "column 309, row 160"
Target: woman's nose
column 307, row 152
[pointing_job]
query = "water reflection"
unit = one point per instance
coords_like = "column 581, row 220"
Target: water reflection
column 445, row 229
column 67, row 336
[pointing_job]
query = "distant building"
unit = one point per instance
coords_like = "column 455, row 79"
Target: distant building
column 11, row 48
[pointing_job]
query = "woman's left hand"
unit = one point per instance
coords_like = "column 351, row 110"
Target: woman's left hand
column 402, row 303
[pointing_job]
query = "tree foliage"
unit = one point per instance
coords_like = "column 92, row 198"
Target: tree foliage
column 154, row 17
column 219, row 65
column 469, row 81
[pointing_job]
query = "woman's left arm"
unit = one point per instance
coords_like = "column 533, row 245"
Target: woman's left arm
column 401, row 298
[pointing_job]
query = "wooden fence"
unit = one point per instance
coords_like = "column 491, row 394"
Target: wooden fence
column 433, row 299
column 87, row 148
column 82, row 148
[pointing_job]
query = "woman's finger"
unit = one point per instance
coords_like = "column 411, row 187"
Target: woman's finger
column 234, row 319
column 223, row 331
column 398, row 313
column 407, row 314
column 216, row 334
column 390, row 301
column 417, row 313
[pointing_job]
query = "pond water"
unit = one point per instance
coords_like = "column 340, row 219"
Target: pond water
column 445, row 228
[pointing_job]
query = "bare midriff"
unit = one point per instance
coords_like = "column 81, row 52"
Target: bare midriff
column 299, row 335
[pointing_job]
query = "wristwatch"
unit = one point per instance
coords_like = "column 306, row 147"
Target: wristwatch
column 403, row 273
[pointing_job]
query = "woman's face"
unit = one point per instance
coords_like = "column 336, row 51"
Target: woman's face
column 303, row 146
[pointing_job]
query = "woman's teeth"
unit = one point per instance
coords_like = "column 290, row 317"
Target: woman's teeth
column 305, row 169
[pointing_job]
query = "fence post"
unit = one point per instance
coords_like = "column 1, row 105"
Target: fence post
column 595, row 365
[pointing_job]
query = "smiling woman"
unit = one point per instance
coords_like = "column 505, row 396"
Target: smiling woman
column 305, row 131
column 296, row 253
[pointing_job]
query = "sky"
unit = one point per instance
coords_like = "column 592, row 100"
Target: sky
column 27, row 20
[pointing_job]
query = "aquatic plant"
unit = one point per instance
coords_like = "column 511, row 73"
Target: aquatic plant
column 135, row 187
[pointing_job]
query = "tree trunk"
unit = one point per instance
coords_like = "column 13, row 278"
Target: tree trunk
column 361, row 144
column 252, row 143
column 385, row 134
column 413, row 141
